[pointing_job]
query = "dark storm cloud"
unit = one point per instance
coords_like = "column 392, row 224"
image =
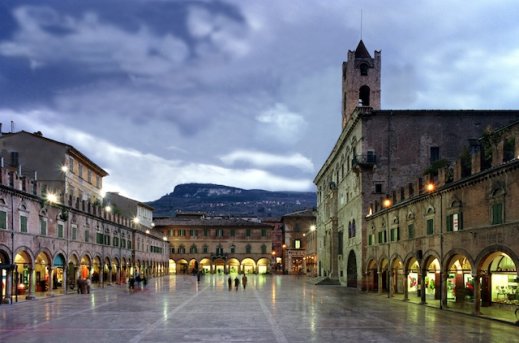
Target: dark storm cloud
column 244, row 93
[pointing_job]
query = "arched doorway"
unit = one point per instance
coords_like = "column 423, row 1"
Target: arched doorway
column 58, row 271
column 459, row 276
column 172, row 267
column 499, row 281
column 248, row 266
column 205, row 265
column 182, row 266
column 351, row 270
column 96, row 270
column 107, row 270
column 383, row 278
column 193, row 266
column 397, row 276
column 413, row 278
column 219, row 265
column 22, row 273
column 233, row 266
column 5, row 267
column 372, row 276
column 263, row 264
column 84, row 271
column 42, row 272
column 72, row 271
column 432, row 279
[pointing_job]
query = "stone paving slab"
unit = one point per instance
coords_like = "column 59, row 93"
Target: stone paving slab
column 278, row 308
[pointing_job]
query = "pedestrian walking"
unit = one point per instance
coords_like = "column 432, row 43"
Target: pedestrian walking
column 88, row 285
column 131, row 283
column 236, row 283
column 244, row 281
column 229, row 282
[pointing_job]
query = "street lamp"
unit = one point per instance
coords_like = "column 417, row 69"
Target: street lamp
column 52, row 198
column 284, row 246
column 386, row 203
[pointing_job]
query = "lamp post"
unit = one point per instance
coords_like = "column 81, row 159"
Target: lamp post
column 387, row 204
column 431, row 187
column 284, row 246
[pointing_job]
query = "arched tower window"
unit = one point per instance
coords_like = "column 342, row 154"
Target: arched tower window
column 364, row 69
column 364, row 95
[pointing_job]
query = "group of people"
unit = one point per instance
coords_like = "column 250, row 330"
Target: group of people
column 237, row 282
column 83, row 286
column 137, row 281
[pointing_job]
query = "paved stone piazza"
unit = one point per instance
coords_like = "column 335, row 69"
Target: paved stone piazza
column 278, row 308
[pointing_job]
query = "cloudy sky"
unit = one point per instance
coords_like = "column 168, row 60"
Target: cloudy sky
column 239, row 93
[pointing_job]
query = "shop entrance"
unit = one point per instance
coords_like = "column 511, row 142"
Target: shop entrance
column 499, row 283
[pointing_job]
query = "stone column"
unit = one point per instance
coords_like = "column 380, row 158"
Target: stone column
column 9, row 286
column 101, row 275
column 477, row 295
column 109, row 274
column 64, row 283
column 443, row 290
column 379, row 281
column 406, row 286
column 422, row 287
column 32, row 284
column 389, row 281
column 51, row 272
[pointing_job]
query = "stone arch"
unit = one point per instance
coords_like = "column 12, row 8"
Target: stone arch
column 5, row 252
column 397, row 274
column 263, row 265
column 497, row 265
column 233, row 265
column 371, row 275
column 248, row 266
column 364, row 95
column 172, row 268
column 205, row 265
column 42, row 270
column 193, row 265
column 431, row 269
column 383, row 272
column 351, row 270
column 458, row 269
column 23, row 266
column 182, row 266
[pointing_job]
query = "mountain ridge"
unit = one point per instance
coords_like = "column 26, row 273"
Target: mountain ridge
column 220, row 200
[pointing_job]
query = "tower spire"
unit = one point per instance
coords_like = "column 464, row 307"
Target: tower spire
column 361, row 24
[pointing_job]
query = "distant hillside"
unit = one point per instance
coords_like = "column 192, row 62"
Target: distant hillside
column 224, row 200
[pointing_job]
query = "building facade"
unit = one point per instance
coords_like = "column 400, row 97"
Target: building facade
column 456, row 242
column 376, row 155
column 141, row 213
column 59, row 168
column 49, row 242
column 298, row 233
column 216, row 244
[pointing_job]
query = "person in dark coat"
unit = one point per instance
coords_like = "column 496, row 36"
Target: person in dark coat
column 236, row 283
column 229, row 282
column 244, row 281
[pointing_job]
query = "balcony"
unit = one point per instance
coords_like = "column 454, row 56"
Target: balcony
column 364, row 161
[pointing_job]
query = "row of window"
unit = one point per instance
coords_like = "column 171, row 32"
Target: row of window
column 207, row 233
column 101, row 238
column 89, row 177
column 193, row 249
column 454, row 222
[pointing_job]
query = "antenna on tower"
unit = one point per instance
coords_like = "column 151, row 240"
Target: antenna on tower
column 361, row 24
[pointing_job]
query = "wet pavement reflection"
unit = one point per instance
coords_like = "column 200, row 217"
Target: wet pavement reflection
column 278, row 308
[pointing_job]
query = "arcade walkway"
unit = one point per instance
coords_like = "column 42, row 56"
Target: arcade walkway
column 278, row 308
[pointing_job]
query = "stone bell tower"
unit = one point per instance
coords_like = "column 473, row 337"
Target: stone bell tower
column 360, row 81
